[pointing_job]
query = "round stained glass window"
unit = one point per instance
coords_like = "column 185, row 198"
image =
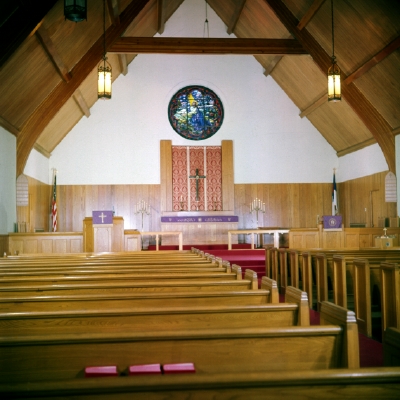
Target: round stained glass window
column 195, row 112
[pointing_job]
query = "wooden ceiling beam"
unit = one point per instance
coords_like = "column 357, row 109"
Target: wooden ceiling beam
column 160, row 16
column 376, row 59
column 45, row 112
column 173, row 45
column 236, row 15
column 53, row 54
column 309, row 15
column 41, row 150
column 372, row 119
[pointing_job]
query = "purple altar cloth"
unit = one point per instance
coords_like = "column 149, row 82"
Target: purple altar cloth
column 102, row 217
column 332, row 221
column 196, row 218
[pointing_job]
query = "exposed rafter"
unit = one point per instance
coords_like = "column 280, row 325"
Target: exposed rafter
column 308, row 16
column 123, row 63
column 53, row 54
column 173, row 45
column 236, row 15
column 377, row 125
column 43, row 114
column 273, row 63
column 376, row 59
column 80, row 100
column 160, row 16
column 312, row 107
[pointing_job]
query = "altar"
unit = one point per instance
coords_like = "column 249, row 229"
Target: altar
column 198, row 227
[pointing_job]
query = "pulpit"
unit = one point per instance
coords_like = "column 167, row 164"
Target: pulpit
column 103, row 233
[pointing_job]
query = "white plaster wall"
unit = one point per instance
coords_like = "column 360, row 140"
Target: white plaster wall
column 364, row 162
column 8, row 167
column 37, row 167
column 119, row 142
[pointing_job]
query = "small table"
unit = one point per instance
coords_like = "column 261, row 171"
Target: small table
column 252, row 232
column 179, row 234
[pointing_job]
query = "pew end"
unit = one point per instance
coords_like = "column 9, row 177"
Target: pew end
column 294, row 295
column 272, row 286
column 391, row 347
column 332, row 314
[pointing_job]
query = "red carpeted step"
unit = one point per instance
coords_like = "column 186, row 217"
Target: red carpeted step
column 203, row 247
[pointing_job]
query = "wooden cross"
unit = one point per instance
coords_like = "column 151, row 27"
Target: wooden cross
column 197, row 177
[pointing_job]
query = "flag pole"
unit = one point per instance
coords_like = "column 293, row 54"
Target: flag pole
column 334, row 194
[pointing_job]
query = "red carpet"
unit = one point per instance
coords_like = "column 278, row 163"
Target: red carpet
column 202, row 247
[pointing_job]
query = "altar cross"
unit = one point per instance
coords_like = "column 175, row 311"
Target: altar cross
column 102, row 216
column 197, row 177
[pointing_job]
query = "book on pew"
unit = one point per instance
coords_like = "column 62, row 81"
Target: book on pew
column 145, row 369
column 98, row 371
column 180, row 368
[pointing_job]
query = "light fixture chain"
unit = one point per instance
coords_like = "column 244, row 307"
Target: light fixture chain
column 206, row 25
column 333, row 39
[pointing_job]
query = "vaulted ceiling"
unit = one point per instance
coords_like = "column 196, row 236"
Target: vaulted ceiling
column 48, row 65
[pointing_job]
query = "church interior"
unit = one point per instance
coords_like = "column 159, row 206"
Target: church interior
column 199, row 198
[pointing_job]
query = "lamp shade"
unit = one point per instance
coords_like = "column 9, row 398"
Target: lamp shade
column 104, row 72
column 75, row 10
column 334, row 88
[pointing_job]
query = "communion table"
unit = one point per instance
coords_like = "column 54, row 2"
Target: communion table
column 199, row 227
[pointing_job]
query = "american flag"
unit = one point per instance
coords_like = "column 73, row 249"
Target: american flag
column 54, row 206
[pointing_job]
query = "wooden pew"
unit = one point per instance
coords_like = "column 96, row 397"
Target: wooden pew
column 391, row 347
column 306, row 272
column 250, row 282
column 245, row 350
column 362, row 383
column 104, row 318
column 390, row 295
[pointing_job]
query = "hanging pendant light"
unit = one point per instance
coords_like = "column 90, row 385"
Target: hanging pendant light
column 104, row 70
column 334, row 88
column 75, row 10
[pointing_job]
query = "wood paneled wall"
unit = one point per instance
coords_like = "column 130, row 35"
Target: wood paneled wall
column 36, row 214
column 355, row 200
column 75, row 202
column 292, row 205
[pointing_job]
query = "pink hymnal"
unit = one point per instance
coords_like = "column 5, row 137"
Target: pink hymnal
column 182, row 368
column 145, row 369
column 106, row 370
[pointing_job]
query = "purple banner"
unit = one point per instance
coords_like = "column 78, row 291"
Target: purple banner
column 102, row 217
column 197, row 219
column 332, row 221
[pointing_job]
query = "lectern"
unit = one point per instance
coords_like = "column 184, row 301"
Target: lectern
column 103, row 232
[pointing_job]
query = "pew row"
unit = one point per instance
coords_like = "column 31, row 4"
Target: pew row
column 250, row 282
column 245, row 350
column 338, row 384
column 105, row 319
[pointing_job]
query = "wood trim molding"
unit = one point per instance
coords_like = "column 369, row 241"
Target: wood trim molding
column 41, row 150
column 356, row 147
column 312, row 107
column 9, row 127
column 80, row 100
